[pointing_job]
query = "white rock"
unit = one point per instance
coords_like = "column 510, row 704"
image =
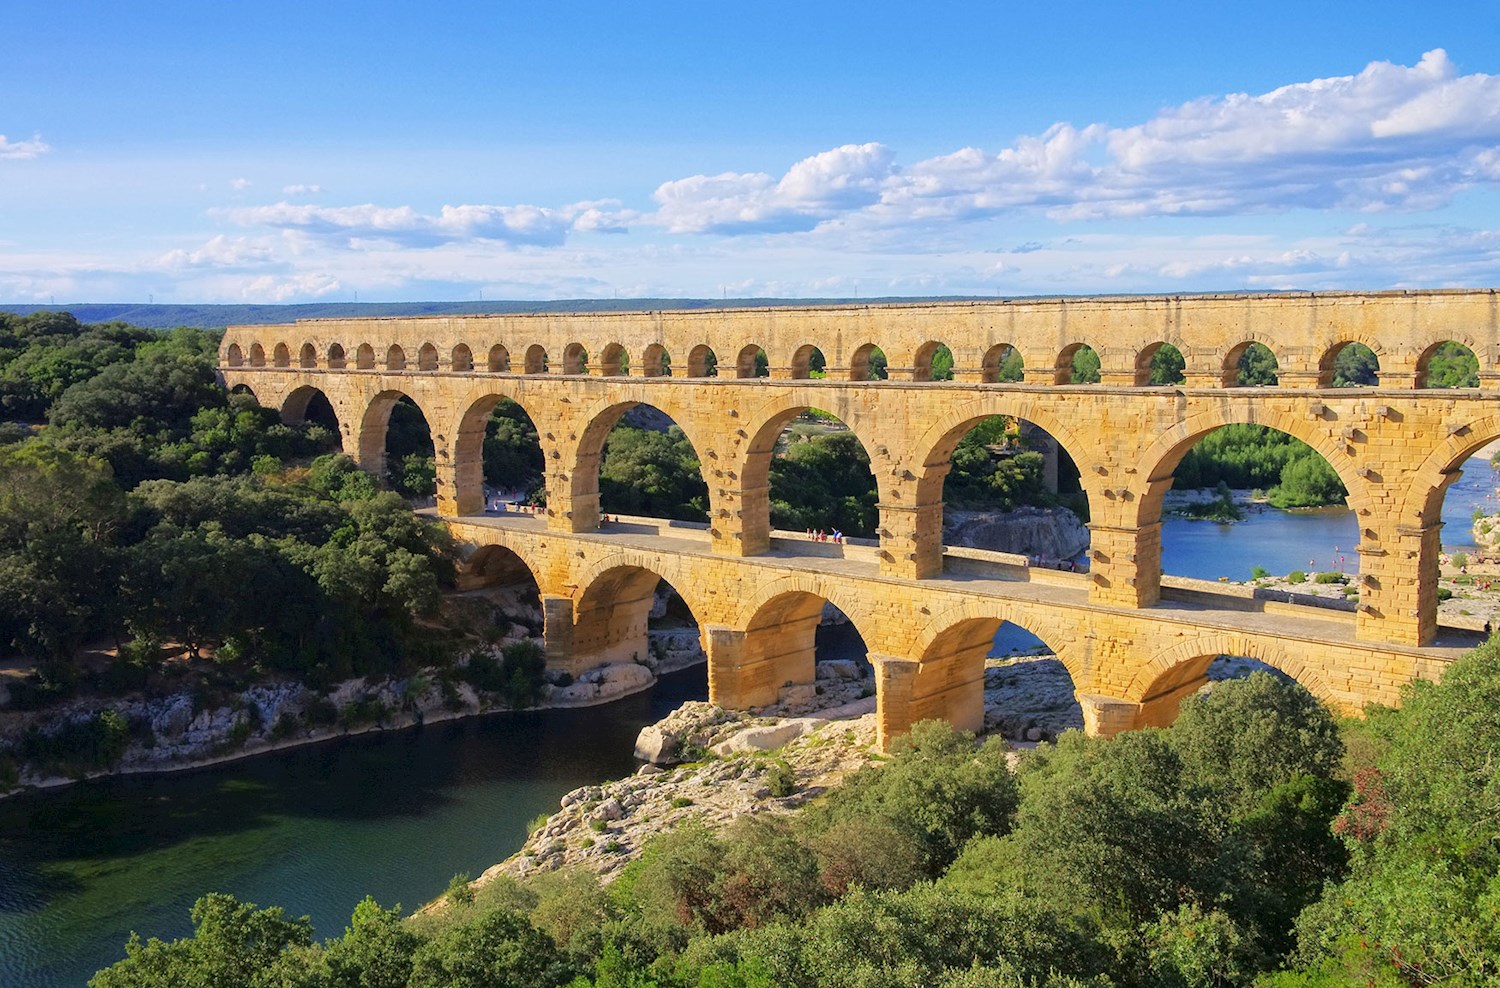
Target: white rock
column 838, row 669
column 766, row 738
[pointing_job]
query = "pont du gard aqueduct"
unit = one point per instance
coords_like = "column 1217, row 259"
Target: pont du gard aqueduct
column 1134, row 642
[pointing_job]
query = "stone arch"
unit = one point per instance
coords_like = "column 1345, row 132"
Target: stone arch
column 234, row 356
column 499, row 360
column 307, row 358
column 744, row 364
column 1326, row 363
column 924, row 361
column 427, row 358
column 1425, row 358
column 589, row 453
column 780, row 641
column 364, row 357
column 1147, row 355
column 951, row 654
column 241, row 388
column 575, row 359
column 1063, row 370
column 993, row 368
column 868, row 364
column 373, row 424
column 536, row 359
column 461, row 361
column 468, row 442
column 336, row 358
column 656, row 362
column 395, row 358
column 1229, row 370
column 611, row 611
column 257, row 355
column 764, row 427
column 308, row 403
column 496, row 564
column 934, row 453
column 1160, row 686
column 807, row 360
column 281, row 356
column 702, row 361
column 613, row 361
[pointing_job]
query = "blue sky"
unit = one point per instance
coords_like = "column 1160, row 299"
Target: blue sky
column 272, row 152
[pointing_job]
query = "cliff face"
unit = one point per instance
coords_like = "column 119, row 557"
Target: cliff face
column 1051, row 533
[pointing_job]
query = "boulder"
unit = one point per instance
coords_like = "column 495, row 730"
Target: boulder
column 658, row 746
column 838, row 669
column 797, row 696
column 767, row 738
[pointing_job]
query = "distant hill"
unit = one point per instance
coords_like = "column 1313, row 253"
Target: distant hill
column 219, row 316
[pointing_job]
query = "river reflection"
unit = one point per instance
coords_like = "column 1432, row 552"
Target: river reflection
column 312, row 829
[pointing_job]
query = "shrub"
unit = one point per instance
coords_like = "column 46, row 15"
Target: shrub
column 680, row 801
column 459, row 891
column 1460, row 559
column 1330, row 578
column 1296, row 576
column 523, row 668
column 781, row 779
column 1259, row 572
column 1444, row 593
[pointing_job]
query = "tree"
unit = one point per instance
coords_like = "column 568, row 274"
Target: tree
column 500, row 950
column 1256, row 368
column 1452, row 365
column 1085, row 366
column 1355, row 366
column 375, row 951
column 1167, row 365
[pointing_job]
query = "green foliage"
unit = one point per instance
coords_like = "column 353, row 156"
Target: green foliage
column 942, row 363
column 77, row 747
column 993, row 470
column 1296, row 576
column 233, row 943
column 459, row 891
column 1326, row 578
column 1356, row 366
column 1256, row 368
column 1259, row 573
column 513, row 452
column 499, row 950
column 1167, row 366
column 1085, row 366
column 1452, row 365
column 1011, row 367
column 375, row 951
column 824, row 482
column 781, row 779
column 1307, row 481
column 652, row 473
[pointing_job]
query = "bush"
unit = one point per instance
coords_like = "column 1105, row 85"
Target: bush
column 1296, row 576
column 1443, row 593
column 459, row 891
column 523, row 668
column 1330, row 578
column 781, row 779
column 1259, row 572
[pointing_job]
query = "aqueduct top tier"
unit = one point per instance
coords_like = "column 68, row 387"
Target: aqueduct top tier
column 1396, row 446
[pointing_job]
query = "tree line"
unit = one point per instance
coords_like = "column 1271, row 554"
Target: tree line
column 1256, row 842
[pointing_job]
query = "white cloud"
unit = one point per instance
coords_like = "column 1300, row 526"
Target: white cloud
column 240, row 184
column 405, row 225
column 301, row 190
column 21, row 150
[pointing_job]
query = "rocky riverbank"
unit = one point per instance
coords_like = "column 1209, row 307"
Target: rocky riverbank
column 1046, row 533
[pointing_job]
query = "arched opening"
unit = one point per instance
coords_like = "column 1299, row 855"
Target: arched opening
column 501, row 602
column 614, row 361
column 818, row 476
column 640, row 463
column 1012, row 488
column 1448, row 364
column 630, row 615
column 787, row 638
column 1252, row 504
column 395, row 436
column 427, row 358
column 395, row 359
column 1250, row 365
column 808, row 362
column 235, row 357
column 461, row 361
column 868, row 364
column 499, row 362
column 245, row 389
column 499, row 465
column 1350, row 364
column 257, row 355
column 1002, row 365
column 282, row 356
column 656, row 362
column 933, row 362
column 336, row 359
column 575, row 359
column 1175, row 680
column 1077, row 363
column 307, row 358
column 1160, row 365
column 752, row 362
column 536, row 359
column 1454, row 502
column 703, row 362
column 311, row 405
column 364, row 357
column 986, row 674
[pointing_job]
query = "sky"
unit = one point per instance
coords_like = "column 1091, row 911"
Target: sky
column 333, row 151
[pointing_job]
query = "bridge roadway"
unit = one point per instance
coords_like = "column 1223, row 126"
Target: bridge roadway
column 927, row 639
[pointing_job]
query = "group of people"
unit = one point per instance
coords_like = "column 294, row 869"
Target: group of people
column 821, row 536
column 500, row 507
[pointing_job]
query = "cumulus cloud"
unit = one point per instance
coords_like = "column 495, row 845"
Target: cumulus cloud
column 21, row 150
column 301, row 190
column 533, row 225
column 240, row 184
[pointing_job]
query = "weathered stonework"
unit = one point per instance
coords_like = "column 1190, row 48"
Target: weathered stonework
column 1132, row 653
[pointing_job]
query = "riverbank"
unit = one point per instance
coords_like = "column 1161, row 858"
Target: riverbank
column 181, row 732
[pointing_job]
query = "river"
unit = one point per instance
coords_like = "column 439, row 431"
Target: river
column 313, row 829
column 395, row 815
